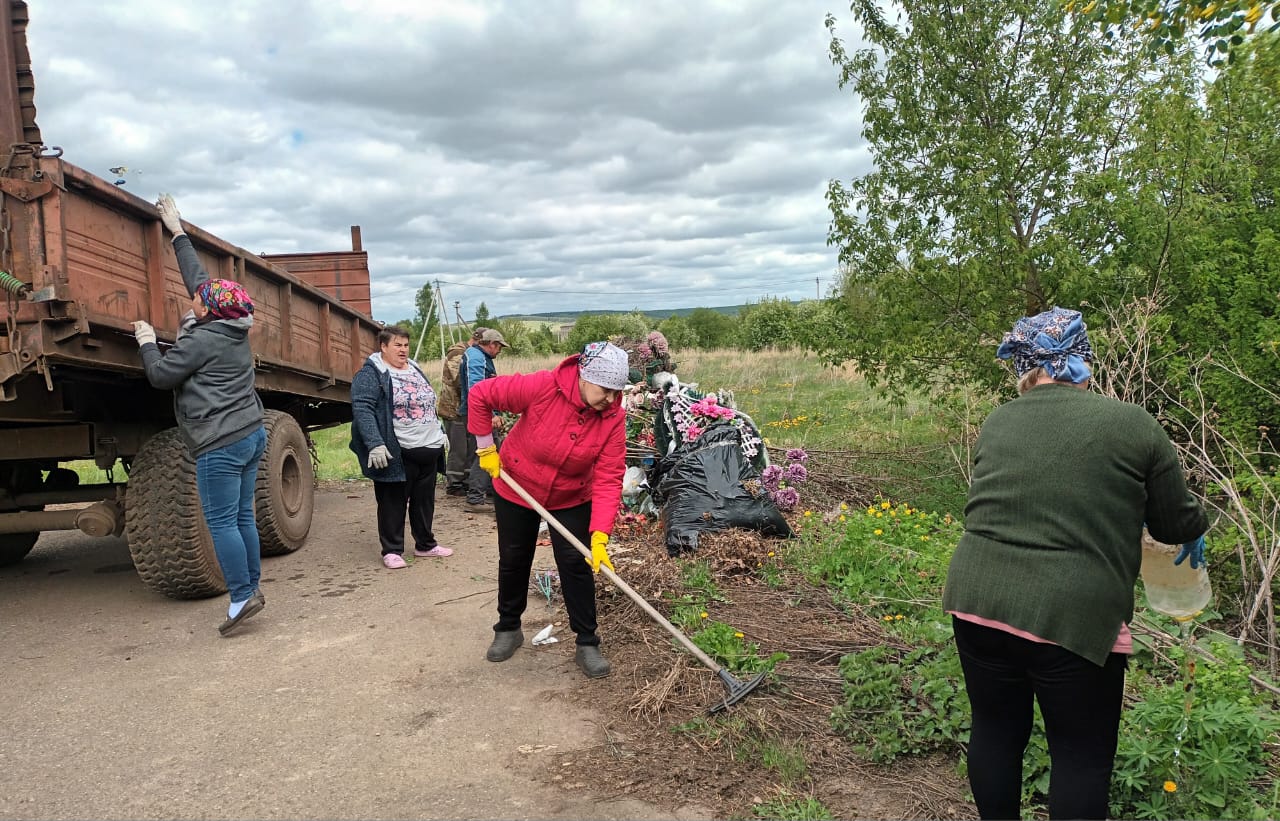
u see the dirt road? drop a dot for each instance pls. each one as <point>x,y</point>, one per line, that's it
<point>359,692</point>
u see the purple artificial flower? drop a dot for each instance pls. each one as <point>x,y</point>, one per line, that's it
<point>797,454</point>
<point>796,473</point>
<point>770,477</point>
<point>658,342</point>
<point>786,498</point>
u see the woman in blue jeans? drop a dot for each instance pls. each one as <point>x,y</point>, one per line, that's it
<point>210,370</point>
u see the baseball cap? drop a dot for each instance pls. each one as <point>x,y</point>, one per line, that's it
<point>491,335</point>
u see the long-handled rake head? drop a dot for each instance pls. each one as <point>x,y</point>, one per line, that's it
<point>736,689</point>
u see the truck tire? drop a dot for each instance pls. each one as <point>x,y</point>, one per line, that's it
<point>14,547</point>
<point>170,544</point>
<point>19,478</point>
<point>285,497</point>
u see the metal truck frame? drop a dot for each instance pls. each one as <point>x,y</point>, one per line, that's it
<point>81,258</point>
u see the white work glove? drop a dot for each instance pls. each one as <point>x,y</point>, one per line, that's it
<point>169,214</point>
<point>379,457</point>
<point>144,333</point>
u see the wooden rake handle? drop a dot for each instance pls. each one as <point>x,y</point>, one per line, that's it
<point>611,576</point>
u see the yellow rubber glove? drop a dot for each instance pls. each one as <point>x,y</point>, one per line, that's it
<point>599,556</point>
<point>489,461</point>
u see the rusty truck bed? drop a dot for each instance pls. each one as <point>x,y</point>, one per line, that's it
<point>85,258</point>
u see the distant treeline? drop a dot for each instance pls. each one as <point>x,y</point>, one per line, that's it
<point>754,326</point>
<point>565,317</point>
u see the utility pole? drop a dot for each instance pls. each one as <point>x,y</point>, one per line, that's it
<point>817,287</point>
<point>442,319</point>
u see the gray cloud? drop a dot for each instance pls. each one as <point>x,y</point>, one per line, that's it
<point>535,156</point>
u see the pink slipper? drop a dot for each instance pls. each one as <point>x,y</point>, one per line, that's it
<point>393,561</point>
<point>437,552</point>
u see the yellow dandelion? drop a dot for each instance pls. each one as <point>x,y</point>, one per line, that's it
<point>703,614</point>
<point>842,517</point>
<point>898,617</point>
<point>879,515</point>
<point>893,513</point>
<point>924,538</point>
<point>737,635</point>
<point>771,554</point>
<point>885,505</point>
<point>879,532</point>
<point>887,618</point>
<point>808,513</point>
<point>843,506</point>
<point>1170,786</point>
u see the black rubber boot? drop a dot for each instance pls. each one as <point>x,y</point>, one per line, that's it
<point>592,663</point>
<point>505,644</point>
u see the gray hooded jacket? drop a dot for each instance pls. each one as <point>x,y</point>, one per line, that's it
<point>209,368</point>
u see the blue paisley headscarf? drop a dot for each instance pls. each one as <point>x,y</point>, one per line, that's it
<point>1054,340</point>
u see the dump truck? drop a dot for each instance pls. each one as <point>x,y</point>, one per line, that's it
<point>80,259</point>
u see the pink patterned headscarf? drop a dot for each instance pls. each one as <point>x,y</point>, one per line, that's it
<point>225,299</point>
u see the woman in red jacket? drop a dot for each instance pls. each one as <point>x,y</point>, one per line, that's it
<point>568,451</point>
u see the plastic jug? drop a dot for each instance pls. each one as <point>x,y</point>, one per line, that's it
<point>1175,590</point>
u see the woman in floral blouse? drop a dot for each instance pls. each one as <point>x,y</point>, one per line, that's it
<point>398,439</point>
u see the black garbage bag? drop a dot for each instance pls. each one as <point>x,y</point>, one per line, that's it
<point>708,486</point>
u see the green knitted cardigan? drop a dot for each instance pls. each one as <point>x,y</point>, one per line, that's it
<point>1063,480</point>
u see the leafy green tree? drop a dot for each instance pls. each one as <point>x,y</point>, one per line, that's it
<point>1198,223</point>
<point>595,327</point>
<point>542,340</point>
<point>770,323</point>
<point>678,332</point>
<point>714,329</point>
<point>982,122</point>
<point>482,315</point>
<point>1222,26</point>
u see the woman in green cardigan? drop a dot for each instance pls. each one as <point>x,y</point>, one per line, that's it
<point>1040,588</point>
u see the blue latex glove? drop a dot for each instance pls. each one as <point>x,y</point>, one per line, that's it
<point>1195,550</point>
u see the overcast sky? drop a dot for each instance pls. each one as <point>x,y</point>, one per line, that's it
<point>536,155</point>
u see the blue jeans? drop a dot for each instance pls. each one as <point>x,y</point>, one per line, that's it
<point>226,477</point>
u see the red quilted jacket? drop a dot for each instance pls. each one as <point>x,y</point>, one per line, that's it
<point>561,451</point>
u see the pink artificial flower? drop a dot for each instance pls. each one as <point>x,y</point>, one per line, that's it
<point>786,498</point>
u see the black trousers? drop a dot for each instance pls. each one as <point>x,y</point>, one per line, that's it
<point>517,541</point>
<point>456,473</point>
<point>1080,703</point>
<point>418,492</point>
